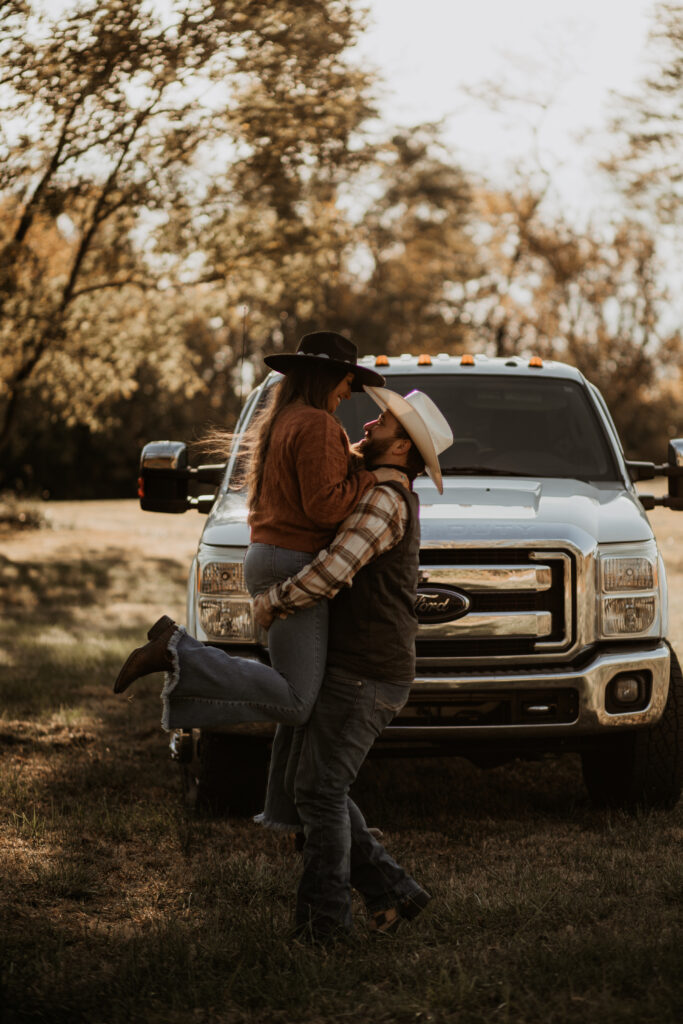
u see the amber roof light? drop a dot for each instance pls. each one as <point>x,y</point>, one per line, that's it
<point>424,360</point>
<point>467,360</point>
<point>382,361</point>
<point>536,361</point>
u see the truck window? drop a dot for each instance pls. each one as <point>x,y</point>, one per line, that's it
<point>508,426</point>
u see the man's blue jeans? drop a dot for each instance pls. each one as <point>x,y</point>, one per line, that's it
<point>339,851</point>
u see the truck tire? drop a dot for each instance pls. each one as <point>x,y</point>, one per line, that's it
<point>227,774</point>
<point>641,769</point>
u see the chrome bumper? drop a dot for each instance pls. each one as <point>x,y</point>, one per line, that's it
<point>590,684</point>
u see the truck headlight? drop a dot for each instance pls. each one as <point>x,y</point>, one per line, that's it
<point>629,589</point>
<point>628,574</point>
<point>627,615</point>
<point>224,607</point>
<point>222,578</point>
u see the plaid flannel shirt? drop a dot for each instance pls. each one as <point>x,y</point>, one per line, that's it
<point>376,525</point>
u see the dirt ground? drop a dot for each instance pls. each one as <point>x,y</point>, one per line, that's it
<point>93,546</point>
<point>98,525</point>
<point>119,906</point>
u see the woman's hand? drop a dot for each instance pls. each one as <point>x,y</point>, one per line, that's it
<point>384,473</point>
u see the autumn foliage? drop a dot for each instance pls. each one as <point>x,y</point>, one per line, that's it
<point>184,188</point>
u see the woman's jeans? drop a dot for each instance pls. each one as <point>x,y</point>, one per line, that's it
<point>209,688</point>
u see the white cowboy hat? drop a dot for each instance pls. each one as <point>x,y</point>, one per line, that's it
<point>422,421</point>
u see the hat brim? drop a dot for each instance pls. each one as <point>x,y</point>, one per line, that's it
<point>414,425</point>
<point>362,375</point>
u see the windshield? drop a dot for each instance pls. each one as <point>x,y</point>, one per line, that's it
<point>507,426</point>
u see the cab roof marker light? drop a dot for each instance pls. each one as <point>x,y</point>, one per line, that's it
<point>443,356</point>
<point>405,357</point>
<point>382,361</point>
<point>467,360</point>
<point>536,361</point>
<point>424,360</point>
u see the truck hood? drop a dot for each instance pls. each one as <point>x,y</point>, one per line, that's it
<point>227,523</point>
<point>482,509</point>
<point>526,509</point>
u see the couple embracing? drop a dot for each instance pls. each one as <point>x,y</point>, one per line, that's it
<point>332,566</point>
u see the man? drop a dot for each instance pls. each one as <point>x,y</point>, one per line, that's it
<point>372,568</point>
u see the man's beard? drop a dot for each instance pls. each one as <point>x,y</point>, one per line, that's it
<point>372,451</point>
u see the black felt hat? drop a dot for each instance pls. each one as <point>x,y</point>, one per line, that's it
<point>330,349</point>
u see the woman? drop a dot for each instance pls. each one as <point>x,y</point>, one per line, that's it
<point>302,484</point>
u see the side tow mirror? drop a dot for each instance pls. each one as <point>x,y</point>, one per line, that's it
<point>675,472</point>
<point>163,480</point>
<point>641,470</point>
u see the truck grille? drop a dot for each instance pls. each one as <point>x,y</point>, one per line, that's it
<point>493,602</point>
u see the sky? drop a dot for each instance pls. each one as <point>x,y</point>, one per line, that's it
<point>570,52</point>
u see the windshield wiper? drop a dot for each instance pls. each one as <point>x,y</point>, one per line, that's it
<point>487,471</point>
<point>481,471</point>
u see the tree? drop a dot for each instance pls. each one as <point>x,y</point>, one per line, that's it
<point>596,294</point>
<point>594,298</point>
<point>413,250</point>
<point>148,158</point>
<point>647,163</point>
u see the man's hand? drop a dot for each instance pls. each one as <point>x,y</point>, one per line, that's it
<point>264,614</point>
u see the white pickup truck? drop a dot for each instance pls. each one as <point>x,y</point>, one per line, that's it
<point>542,595</point>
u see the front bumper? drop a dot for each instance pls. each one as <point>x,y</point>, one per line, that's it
<point>588,686</point>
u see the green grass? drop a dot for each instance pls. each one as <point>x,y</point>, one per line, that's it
<point>117,905</point>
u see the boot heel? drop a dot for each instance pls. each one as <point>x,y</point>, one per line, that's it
<point>410,906</point>
<point>165,622</point>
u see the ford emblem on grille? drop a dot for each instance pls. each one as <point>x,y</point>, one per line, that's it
<point>436,604</point>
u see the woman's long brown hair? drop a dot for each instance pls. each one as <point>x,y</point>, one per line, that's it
<point>309,384</point>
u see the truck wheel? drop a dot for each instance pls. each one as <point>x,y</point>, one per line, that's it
<point>227,774</point>
<point>643,768</point>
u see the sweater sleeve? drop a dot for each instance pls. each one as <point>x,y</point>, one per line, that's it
<point>329,488</point>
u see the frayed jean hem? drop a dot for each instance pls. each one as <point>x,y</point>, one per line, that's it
<point>172,678</point>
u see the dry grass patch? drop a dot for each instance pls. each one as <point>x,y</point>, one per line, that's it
<point>118,906</point>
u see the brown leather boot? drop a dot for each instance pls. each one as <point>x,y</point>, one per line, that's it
<point>153,657</point>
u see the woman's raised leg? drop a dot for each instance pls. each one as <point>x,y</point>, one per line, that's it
<point>208,687</point>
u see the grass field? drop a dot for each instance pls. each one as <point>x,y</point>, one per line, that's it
<point>118,906</point>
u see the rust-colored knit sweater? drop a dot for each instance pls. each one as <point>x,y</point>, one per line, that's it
<point>309,485</point>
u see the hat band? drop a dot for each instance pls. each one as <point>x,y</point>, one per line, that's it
<point>317,355</point>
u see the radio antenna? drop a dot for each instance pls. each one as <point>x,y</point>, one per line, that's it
<point>245,310</point>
